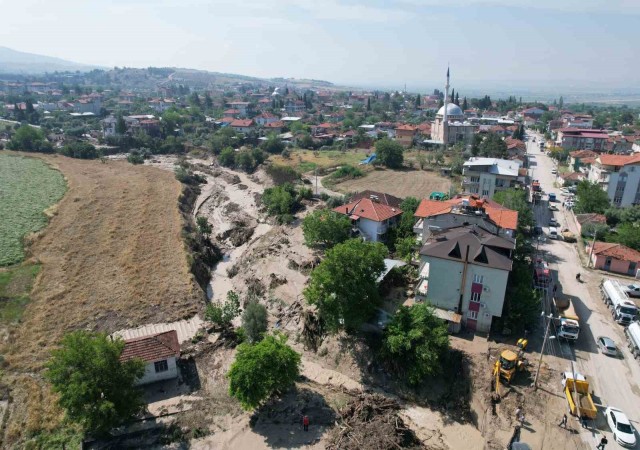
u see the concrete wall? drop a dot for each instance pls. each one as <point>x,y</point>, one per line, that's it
<point>616,266</point>
<point>150,375</point>
<point>445,277</point>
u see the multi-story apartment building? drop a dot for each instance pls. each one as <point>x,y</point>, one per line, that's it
<point>619,177</point>
<point>579,139</point>
<point>486,176</point>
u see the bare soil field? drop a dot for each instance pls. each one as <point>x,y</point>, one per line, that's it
<point>112,257</point>
<point>401,183</point>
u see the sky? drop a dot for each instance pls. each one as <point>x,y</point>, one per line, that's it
<point>374,43</point>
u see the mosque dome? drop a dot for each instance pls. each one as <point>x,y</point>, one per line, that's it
<point>452,110</point>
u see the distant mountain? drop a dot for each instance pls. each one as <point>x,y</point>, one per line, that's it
<point>13,61</point>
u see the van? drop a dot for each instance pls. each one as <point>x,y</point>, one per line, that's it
<point>553,233</point>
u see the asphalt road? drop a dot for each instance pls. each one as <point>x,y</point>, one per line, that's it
<point>614,381</point>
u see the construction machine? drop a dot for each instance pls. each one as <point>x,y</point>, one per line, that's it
<point>509,362</point>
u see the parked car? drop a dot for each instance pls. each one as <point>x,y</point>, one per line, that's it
<point>553,222</point>
<point>537,231</point>
<point>553,208</point>
<point>554,171</point>
<point>623,432</point>
<point>570,204</point>
<point>633,290</point>
<point>607,346</point>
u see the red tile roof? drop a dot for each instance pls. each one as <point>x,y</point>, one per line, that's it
<point>231,111</point>
<point>242,123</point>
<point>368,209</point>
<point>406,128</point>
<point>583,154</point>
<point>152,348</point>
<point>501,216</point>
<point>619,160</point>
<point>276,124</point>
<point>617,251</point>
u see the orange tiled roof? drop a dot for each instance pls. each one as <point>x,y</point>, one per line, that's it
<point>501,216</point>
<point>152,348</point>
<point>617,251</point>
<point>368,209</point>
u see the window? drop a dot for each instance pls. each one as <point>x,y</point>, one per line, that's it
<point>161,366</point>
<point>475,297</point>
<point>478,279</point>
<point>485,192</point>
<point>473,315</point>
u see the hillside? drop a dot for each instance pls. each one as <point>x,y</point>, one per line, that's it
<point>16,62</point>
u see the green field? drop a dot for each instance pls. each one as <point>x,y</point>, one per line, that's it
<point>308,160</point>
<point>15,286</point>
<point>28,186</point>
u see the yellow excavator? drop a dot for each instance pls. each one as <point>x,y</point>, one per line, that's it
<point>508,363</point>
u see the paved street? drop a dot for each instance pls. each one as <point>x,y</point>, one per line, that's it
<point>614,381</point>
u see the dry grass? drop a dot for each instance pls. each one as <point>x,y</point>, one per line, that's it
<point>401,183</point>
<point>307,160</point>
<point>112,257</point>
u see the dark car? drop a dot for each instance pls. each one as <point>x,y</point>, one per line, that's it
<point>537,231</point>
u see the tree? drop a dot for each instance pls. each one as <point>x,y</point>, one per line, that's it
<point>121,125</point>
<point>516,199</point>
<point>208,102</point>
<point>422,160</point>
<point>390,153</point>
<point>523,302</point>
<point>404,247</point>
<point>325,228</point>
<point>273,144</point>
<point>415,342</point>
<point>627,234</point>
<point>227,157</point>
<point>223,138</point>
<point>493,146</point>
<point>222,315</point>
<point>408,206</point>
<point>95,388</point>
<point>254,321</point>
<point>465,104</point>
<point>203,225</point>
<point>280,200</point>
<point>261,370</point>
<point>30,139</point>
<point>344,286</point>
<point>591,198</point>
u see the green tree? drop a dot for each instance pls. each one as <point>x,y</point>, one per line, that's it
<point>95,388</point>
<point>222,315</point>
<point>404,247</point>
<point>390,153</point>
<point>516,199</point>
<point>29,139</point>
<point>273,144</point>
<point>254,321</point>
<point>280,200</point>
<point>325,228</point>
<point>627,234</point>
<point>244,161</point>
<point>415,342</point>
<point>344,286</point>
<point>522,302</point>
<point>493,146</point>
<point>422,160</point>
<point>591,198</point>
<point>227,157</point>
<point>203,225</point>
<point>121,125</point>
<point>261,370</point>
<point>408,206</point>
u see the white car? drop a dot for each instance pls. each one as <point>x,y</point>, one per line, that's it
<point>569,204</point>
<point>554,171</point>
<point>607,346</point>
<point>623,431</point>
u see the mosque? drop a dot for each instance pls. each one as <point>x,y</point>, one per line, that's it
<point>449,128</point>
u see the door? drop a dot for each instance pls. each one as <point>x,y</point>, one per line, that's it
<point>607,264</point>
<point>472,320</point>
<point>632,269</point>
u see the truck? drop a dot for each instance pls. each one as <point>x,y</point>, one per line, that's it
<point>567,319</point>
<point>552,197</point>
<point>579,398</point>
<point>632,332</point>
<point>623,309</point>
<point>541,275</point>
<point>535,186</point>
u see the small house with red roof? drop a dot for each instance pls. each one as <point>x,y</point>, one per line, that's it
<point>372,216</point>
<point>243,125</point>
<point>614,257</point>
<point>405,134</point>
<point>158,351</point>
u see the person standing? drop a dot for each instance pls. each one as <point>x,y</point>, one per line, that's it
<point>305,423</point>
<point>602,443</point>
<point>563,422</point>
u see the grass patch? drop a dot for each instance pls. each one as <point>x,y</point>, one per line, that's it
<point>308,160</point>
<point>29,187</point>
<point>15,286</point>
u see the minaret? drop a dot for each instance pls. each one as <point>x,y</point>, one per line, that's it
<point>445,122</point>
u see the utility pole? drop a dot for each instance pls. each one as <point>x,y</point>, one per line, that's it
<point>316,173</point>
<point>575,391</point>
<point>593,244</point>
<point>544,343</point>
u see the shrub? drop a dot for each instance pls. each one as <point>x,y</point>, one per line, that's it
<point>254,321</point>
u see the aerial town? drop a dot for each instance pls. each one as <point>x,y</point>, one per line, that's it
<point>194,259</point>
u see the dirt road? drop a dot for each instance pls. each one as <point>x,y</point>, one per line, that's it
<point>613,380</point>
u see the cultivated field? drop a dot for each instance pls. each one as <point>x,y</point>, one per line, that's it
<point>307,160</point>
<point>401,183</point>
<point>112,257</point>
<point>28,186</point>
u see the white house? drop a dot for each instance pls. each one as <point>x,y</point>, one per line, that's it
<point>465,270</point>
<point>486,176</point>
<point>370,216</point>
<point>242,107</point>
<point>266,118</point>
<point>109,126</point>
<point>159,353</point>
<point>619,177</point>
<point>242,125</point>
